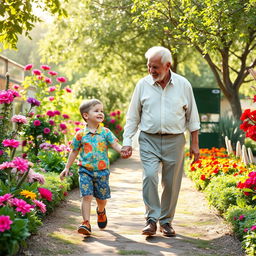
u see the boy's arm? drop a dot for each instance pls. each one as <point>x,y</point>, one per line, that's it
<point>116,146</point>
<point>71,158</point>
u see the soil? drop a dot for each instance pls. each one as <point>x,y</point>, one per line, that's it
<point>200,231</point>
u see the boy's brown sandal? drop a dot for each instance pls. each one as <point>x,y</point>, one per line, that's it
<point>85,228</point>
<point>102,219</point>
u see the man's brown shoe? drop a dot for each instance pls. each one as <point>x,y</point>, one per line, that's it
<point>150,228</point>
<point>167,230</point>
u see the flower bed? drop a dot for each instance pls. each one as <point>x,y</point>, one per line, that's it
<point>230,186</point>
<point>34,153</point>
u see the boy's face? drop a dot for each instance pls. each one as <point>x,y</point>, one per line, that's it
<point>95,115</point>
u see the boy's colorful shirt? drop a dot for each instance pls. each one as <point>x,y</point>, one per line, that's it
<point>93,147</point>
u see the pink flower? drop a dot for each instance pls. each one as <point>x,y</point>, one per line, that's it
<point>246,230</point>
<point>21,164</point>
<point>77,129</point>
<point>63,126</point>
<point>11,143</point>
<point>112,121</point>
<point>50,113</point>
<point>253,227</point>
<point>48,80</point>
<point>46,130</point>
<point>61,79</point>
<point>28,67</point>
<point>241,217</point>
<point>5,223</point>
<point>66,116</point>
<point>6,165</point>
<point>16,87</point>
<point>5,198</point>
<point>112,114</point>
<point>37,123</point>
<point>52,89</point>
<point>30,114</point>
<point>45,67</point>
<point>37,72</point>
<point>51,98</point>
<point>20,119</point>
<point>68,89</point>
<point>40,77</point>
<point>21,205</point>
<point>45,193</point>
<point>51,122</point>
<point>1,152</point>
<point>52,73</point>
<point>77,123</point>
<point>56,112</point>
<point>40,205</point>
<point>34,176</point>
<point>6,97</point>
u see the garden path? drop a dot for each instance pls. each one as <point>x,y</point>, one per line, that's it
<point>200,232</point>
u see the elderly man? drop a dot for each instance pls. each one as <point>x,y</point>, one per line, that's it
<point>162,107</point>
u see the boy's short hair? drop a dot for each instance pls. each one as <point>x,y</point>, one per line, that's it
<point>87,105</point>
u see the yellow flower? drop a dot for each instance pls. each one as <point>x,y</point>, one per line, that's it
<point>28,194</point>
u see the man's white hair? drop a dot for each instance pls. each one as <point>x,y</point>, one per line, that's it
<point>161,51</point>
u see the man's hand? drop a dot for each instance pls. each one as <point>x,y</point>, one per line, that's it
<point>194,151</point>
<point>64,173</point>
<point>126,151</point>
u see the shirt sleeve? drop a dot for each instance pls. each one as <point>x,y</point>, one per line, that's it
<point>133,117</point>
<point>111,138</point>
<point>76,143</point>
<point>192,116</point>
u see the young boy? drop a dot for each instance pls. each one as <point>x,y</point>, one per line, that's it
<point>92,143</point>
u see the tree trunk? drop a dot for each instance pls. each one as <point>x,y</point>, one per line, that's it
<point>235,104</point>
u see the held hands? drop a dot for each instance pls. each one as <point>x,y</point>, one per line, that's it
<point>64,173</point>
<point>126,151</point>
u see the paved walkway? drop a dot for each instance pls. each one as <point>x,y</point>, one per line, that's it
<point>199,231</point>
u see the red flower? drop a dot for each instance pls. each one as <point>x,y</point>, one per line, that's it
<point>246,114</point>
<point>45,67</point>
<point>202,177</point>
<point>28,67</point>
<point>254,98</point>
<point>45,193</point>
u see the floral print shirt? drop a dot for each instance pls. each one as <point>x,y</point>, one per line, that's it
<point>93,147</point>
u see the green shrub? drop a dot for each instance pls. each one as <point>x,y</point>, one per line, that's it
<point>222,192</point>
<point>243,221</point>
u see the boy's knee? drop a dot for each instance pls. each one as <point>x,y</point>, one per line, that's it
<point>88,198</point>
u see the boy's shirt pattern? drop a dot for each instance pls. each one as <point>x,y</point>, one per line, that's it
<point>93,147</point>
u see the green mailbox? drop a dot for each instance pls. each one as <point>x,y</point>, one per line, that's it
<point>208,104</point>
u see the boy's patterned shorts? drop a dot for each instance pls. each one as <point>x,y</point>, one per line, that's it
<point>94,183</point>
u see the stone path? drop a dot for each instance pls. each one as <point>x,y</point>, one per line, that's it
<point>200,232</point>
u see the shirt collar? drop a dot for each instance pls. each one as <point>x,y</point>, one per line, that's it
<point>98,131</point>
<point>150,80</point>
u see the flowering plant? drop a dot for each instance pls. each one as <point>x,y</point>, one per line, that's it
<point>113,121</point>
<point>249,117</point>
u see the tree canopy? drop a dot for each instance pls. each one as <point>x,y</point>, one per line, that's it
<point>222,31</point>
<point>17,17</point>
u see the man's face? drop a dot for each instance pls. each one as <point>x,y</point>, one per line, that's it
<point>157,69</point>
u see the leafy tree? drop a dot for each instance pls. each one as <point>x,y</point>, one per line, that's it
<point>17,17</point>
<point>222,31</point>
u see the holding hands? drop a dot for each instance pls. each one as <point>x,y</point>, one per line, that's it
<point>126,151</point>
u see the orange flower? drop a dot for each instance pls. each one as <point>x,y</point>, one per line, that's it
<point>87,148</point>
<point>79,136</point>
<point>89,167</point>
<point>102,165</point>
